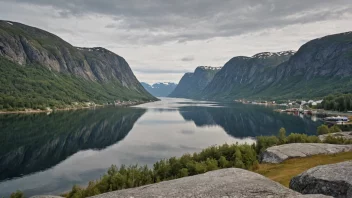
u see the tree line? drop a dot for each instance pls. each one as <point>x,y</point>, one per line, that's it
<point>36,87</point>
<point>337,102</point>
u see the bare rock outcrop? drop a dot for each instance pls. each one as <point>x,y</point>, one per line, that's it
<point>46,196</point>
<point>278,154</point>
<point>333,180</point>
<point>228,183</point>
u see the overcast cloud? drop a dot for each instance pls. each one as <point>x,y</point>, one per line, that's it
<point>172,37</point>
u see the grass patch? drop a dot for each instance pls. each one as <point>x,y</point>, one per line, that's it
<point>286,170</point>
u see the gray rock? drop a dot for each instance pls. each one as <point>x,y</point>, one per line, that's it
<point>344,135</point>
<point>45,196</point>
<point>333,179</point>
<point>278,154</point>
<point>231,182</point>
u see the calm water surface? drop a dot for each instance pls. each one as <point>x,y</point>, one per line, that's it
<point>48,154</point>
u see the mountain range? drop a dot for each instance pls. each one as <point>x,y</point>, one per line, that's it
<point>320,67</point>
<point>160,89</point>
<point>192,84</point>
<point>40,70</point>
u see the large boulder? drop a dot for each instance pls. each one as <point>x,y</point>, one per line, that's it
<point>333,179</point>
<point>344,135</point>
<point>278,154</point>
<point>231,182</point>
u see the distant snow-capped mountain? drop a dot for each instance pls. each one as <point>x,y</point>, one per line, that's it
<point>160,89</point>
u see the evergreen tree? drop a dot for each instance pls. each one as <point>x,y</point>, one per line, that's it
<point>183,173</point>
<point>282,135</point>
<point>238,159</point>
<point>17,194</point>
<point>223,163</point>
<point>212,164</point>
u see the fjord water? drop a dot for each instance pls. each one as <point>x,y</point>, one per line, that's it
<point>49,153</point>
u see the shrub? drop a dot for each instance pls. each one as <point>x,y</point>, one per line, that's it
<point>334,129</point>
<point>337,140</point>
<point>282,135</point>
<point>17,194</point>
<point>264,142</point>
<point>301,138</point>
<point>323,129</point>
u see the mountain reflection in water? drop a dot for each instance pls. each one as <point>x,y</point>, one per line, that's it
<point>48,154</point>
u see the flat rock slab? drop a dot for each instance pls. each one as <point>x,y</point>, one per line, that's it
<point>344,135</point>
<point>226,183</point>
<point>333,179</point>
<point>46,196</point>
<point>278,154</point>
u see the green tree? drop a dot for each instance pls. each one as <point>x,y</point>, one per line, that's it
<point>212,164</point>
<point>282,135</point>
<point>17,194</point>
<point>223,163</point>
<point>334,129</point>
<point>238,159</point>
<point>264,142</point>
<point>200,167</point>
<point>76,192</point>
<point>183,172</point>
<point>323,129</point>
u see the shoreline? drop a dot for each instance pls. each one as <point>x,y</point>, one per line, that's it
<point>35,111</point>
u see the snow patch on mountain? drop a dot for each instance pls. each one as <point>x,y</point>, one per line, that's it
<point>271,54</point>
<point>210,67</point>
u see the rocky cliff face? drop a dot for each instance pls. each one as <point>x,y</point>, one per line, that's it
<point>191,84</point>
<point>161,89</point>
<point>245,75</point>
<point>320,67</point>
<point>27,45</point>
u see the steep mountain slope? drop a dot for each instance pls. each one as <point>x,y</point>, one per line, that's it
<point>191,84</point>
<point>26,50</point>
<point>245,75</point>
<point>320,67</point>
<point>159,89</point>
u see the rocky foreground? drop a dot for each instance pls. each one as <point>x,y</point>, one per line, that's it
<point>278,154</point>
<point>230,182</point>
<point>333,179</point>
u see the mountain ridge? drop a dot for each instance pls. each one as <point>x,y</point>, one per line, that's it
<point>89,74</point>
<point>159,89</point>
<point>320,67</point>
<point>192,84</point>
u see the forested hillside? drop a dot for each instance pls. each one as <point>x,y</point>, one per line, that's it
<point>40,70</point>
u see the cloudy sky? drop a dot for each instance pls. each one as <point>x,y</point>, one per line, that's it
<point>162,39</point>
